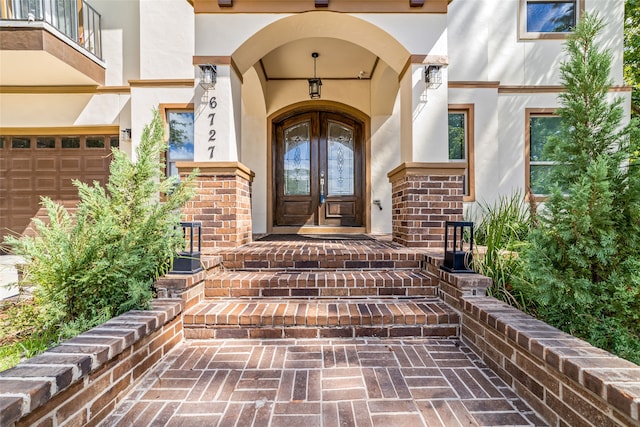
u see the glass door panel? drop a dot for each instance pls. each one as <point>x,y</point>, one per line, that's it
<point>297,160</point>
<point>340,160</point>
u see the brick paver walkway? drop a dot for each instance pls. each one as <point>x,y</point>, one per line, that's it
<point>329,382</point>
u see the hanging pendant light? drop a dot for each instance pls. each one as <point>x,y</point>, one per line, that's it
<point>315,84</point>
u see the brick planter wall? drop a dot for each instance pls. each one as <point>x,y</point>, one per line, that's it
<point>80,381</point>
<point>424,196</point>
<point>222,203</point>
<point>565,379</point>
<point>188,287</point>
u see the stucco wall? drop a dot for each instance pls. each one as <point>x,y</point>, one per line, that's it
<point>484,43</point>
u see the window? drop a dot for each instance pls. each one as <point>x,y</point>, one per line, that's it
<point>541,126</point>
<point>94,142</point>
<point>70,142</point>
<point>461,143</point>
<point>45,142</point>
<point>20,142</point>
<point>553,19</point>
<point>180,125</point>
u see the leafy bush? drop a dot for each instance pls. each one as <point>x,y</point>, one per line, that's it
<point>102,260</point>
<point>584,259</point>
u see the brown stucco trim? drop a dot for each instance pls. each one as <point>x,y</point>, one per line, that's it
<point>39,39</point>
<point>551,89</point>
<point>162,83</point>
<point>343,6</point>
<point>473,85</point>
<point>61,130</point>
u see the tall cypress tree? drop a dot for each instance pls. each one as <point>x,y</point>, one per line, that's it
<point>584,258</point>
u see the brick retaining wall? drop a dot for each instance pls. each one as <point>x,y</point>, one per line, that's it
<point>80,381</point>
<point>565,379</point>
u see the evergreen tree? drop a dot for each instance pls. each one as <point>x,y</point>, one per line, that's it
<point>584,258</point>
<point>102,260</point>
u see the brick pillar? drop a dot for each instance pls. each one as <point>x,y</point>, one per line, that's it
<point>222,203</point>
<point>424,196</point>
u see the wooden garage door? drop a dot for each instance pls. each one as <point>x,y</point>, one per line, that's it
<point>35,166</point>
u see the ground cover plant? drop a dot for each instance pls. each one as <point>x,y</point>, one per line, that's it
<point>101,260</point>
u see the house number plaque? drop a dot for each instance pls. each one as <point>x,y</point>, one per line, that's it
<point>213,104</point>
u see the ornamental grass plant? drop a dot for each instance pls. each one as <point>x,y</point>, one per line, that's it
<point>502,228</point>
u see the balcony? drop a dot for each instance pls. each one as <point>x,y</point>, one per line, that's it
<point>50,43</point>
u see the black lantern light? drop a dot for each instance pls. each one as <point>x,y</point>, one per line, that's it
<point>315,84</point>
<point>188,260</point>
<point>208,76</point>
<point>432,76</point>
<point>458,247</point>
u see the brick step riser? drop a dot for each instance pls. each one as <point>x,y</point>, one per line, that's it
<point>323,264</point>
<point>440,331</point>
<point>252,313</point>
<point>342,280</point>
<point>333,292</point>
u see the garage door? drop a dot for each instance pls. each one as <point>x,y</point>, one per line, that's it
<point>35,166</point>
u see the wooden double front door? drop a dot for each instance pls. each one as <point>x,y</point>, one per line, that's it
<point>319,170</point>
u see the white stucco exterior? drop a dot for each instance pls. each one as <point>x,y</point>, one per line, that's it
<point>152,49</point>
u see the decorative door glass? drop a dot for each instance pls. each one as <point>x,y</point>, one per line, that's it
<point>340,160</point>
<point>297,160</point>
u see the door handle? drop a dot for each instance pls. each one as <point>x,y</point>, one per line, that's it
<point>322,197</point>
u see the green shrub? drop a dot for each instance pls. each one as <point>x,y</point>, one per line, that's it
<point>103,260</point>
<point>584,259</point>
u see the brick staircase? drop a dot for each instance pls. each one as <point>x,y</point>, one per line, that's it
<point>310,288</point>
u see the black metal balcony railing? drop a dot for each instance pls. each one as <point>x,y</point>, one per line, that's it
<point>76,19</point>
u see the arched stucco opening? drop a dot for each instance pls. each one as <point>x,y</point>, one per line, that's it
<point>275,63</point>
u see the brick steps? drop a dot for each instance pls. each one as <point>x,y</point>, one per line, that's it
<point>322,256</point>
<point>313,318</point>
<point>319,284</point>
<point>308,287</point>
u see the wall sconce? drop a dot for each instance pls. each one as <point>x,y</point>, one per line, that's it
<point>315,84</point>
<point>208,76</point>
<point>433,76</point>
<point>126,133</point>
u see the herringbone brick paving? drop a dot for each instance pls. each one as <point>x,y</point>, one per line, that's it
<point>324,382</point>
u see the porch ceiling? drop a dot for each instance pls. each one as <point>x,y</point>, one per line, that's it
<point>338,59</point>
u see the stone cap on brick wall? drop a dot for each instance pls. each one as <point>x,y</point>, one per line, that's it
<point>35,381</point>
<point>427,169</point>
<point>613,380</point>
<point>470,284</point>
<point>216,168</point>
<point>181,282</point>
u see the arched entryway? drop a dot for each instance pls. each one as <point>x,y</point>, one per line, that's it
<point>319,169</point>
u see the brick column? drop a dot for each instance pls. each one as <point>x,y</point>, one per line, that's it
<point>222,203</point>
<point>424,196</point>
